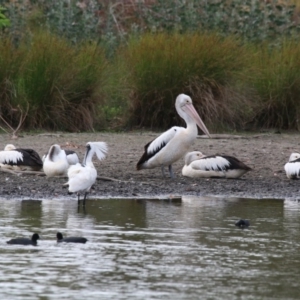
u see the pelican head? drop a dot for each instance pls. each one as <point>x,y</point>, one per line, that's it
<point>191,156</point>
<point>294,156</point>
<point>186,110</point>
<point>9,147</point>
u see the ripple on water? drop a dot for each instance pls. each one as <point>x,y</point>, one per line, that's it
<point>152,249</point>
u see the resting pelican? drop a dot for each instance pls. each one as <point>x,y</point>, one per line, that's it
<point>20,158</point>
<point>175,142</point>
<point>72,157</point>
<point>57,161</point>
<point>82,177</point>
<point>198,165</point>
<point>71,239</point>
<point>292,168</point>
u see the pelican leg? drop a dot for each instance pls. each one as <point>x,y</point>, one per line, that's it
<point>84,198</point>
<point>171,171</point>
<point>78,199</point>
<point>163,170</point>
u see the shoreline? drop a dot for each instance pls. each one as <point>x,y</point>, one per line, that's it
<point>266,154</point>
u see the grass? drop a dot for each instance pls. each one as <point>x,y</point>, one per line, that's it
<point>76,87</point>
<point>59,83</point>
<point>165,65</point>
<point>276,78</point>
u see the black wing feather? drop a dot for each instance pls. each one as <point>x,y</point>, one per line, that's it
<point>30,158</point>
<point>146,156</point>
<point>234,163</point>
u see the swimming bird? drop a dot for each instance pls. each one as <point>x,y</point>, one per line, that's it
<point>174,143</point>
<point>25,241</point>
<point>83,176</point>
<point>198,165</point>
<point>57,161</point>
<point>292,167</point>
<point>20,158</point>
<point>242,223</point>
<point>71,239</point>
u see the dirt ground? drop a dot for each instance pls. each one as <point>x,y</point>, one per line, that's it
<point>265,153</point>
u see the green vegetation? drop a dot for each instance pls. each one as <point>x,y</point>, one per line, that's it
<point>89,65</point>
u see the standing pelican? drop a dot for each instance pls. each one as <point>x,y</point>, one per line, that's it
<point>292,167</point>
<point>20,158</point>
<point>175,142</point>
<point>198,165</point>
<point>83,176</point>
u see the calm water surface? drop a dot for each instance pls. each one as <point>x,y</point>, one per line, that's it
<point>154,249</point>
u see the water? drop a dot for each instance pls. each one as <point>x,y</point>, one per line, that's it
<point>157,249</point>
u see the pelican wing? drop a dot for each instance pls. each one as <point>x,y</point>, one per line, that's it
<point>159,143</point>
<point>100,149</point>
<point>11,157</point>
<point>292,169</point>
<point>30,155</point>
<point>218,163</point>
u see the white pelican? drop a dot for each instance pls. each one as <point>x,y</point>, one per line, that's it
<point>72,156</point>
<point>57,161</point>
<point>198,165</point>
<point>292,168</point>
<point>20,158</point>
<point>71,239</point>
<point>175,142</point>
<point>83,176</point>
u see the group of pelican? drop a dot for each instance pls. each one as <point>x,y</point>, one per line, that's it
<point>163,151</point>
<point>58,162</point>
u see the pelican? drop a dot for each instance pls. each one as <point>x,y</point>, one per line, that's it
<point>83,176</point>
<point>20,158</point>
<point>25,241</point>
<point>71,239</point>
<point>72,157</point>
<point>57,161</point>
<point>198,165</point>
<point>175,142</point>
<point>292,167</point>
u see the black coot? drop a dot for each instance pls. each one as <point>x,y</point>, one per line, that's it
<point>242,223</point>
<point>24,241</point>
<point>72,239</point>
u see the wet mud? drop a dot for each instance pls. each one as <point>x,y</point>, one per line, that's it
<point>265,153</point>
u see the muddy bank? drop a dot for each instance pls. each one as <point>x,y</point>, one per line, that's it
<point>265,153</point>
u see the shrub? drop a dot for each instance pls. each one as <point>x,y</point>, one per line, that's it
<point>57,82</point>
<point>163,66</point>
<point>276,78</point>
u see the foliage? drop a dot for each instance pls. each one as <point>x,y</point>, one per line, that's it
<point>163,66</point>
<point>59,83</point>
<point>115,62</point>
<point>110,22</point>
<point>276,78</point>
<point>4,21</point>
<point>251,20</point>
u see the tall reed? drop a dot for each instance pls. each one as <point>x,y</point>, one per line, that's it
<point>201,65</point>
<point>57,82</point>
<point>276,78</point>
